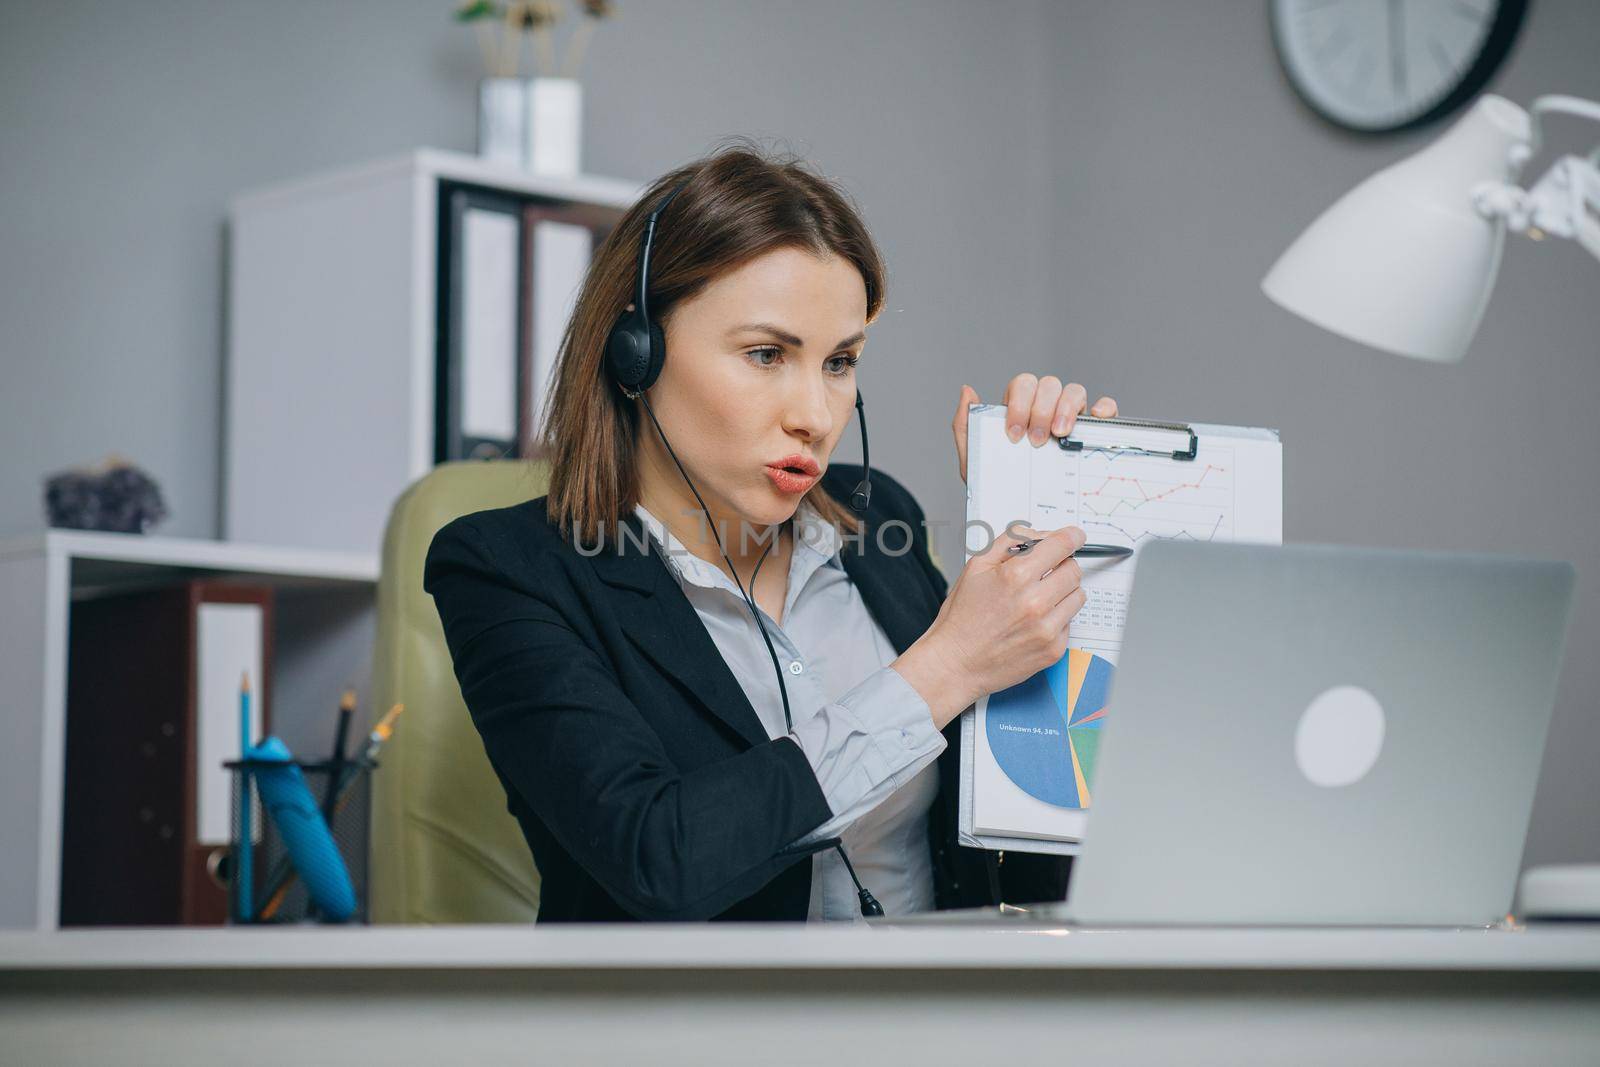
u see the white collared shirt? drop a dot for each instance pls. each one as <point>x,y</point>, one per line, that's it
<point>868,735</point>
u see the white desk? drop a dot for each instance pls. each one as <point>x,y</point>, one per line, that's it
<point>965,992</point>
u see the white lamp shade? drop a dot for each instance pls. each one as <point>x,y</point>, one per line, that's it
<point>1404,262</point>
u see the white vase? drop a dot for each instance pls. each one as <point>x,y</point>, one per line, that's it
<point>553,118</point>
<point>502,120</point>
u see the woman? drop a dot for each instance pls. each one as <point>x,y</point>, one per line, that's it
<point>616,640</point>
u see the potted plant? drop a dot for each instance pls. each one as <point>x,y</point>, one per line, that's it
<point>537,122</point>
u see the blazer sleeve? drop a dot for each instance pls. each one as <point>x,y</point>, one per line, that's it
<point>665,843</point>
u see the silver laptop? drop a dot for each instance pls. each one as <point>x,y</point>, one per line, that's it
<point>1320,735</point>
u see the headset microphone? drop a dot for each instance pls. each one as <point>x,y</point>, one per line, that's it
<point>635,351</point>
<point>862,494</point>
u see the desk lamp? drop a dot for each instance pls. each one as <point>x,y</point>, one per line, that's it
<point>1405,262</point>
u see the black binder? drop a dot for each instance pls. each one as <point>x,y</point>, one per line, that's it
<point>457,202</point>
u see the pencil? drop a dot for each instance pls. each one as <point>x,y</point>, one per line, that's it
<point>243,873</point>
<point>347,705</point>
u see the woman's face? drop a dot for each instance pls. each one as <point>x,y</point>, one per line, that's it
<point>759,370</point>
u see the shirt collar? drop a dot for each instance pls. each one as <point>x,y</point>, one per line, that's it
<point>817,545</point>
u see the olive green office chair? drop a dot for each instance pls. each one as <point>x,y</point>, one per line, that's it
<point>444,849</point>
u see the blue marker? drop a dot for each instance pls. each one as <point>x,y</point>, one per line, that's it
<point>287,800</point>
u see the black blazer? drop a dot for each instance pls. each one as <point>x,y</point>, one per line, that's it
<point>642,778</point>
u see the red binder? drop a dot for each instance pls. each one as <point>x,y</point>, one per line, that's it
<point>132,848</point>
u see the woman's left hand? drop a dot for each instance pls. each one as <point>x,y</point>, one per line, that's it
<point>1039,407</point>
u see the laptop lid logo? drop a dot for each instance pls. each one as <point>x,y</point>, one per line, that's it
<point>1339,736</point>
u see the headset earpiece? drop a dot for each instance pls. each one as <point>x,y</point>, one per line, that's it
<point>629,352</point>
<point>657,356</point>
<point>637,347</point>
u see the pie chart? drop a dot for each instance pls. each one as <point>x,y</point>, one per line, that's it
<point>1045,732</point>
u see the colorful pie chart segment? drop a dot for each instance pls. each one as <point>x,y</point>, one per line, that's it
<point>1045,732</point>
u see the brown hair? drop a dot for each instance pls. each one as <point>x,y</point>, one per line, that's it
<point>736,204</point>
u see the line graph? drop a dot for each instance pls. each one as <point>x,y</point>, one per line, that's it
<point>1116,489</point>
<point>1133,537</point>
<point>1131,499</point>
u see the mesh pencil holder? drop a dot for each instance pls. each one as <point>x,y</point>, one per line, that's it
<point>279,893</point>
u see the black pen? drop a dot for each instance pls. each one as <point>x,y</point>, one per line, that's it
<point>347,706</point>
<point>1087,551</point>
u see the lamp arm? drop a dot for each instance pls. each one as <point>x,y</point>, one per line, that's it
<point>1565,201</point>
<point>1559,105</point>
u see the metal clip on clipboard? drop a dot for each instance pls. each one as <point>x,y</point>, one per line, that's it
<point>1068,444</point>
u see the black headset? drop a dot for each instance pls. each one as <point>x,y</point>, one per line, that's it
<point>635,352</point>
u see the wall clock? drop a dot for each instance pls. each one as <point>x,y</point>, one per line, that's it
<point>1377,66</point>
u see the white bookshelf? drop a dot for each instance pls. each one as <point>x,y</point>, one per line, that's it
<point>323,627</point>
<point>332,334</point>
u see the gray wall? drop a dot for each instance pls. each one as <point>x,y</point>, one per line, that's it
<point>1093,189</point>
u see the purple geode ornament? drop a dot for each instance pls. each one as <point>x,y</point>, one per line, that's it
<point>119,497</point>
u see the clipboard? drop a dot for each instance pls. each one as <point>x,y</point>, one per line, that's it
<point>1126,481</point>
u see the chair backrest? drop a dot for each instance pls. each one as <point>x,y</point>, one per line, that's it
<point>444,847</point>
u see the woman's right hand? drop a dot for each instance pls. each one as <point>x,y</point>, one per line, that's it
<point>1005,619</point>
